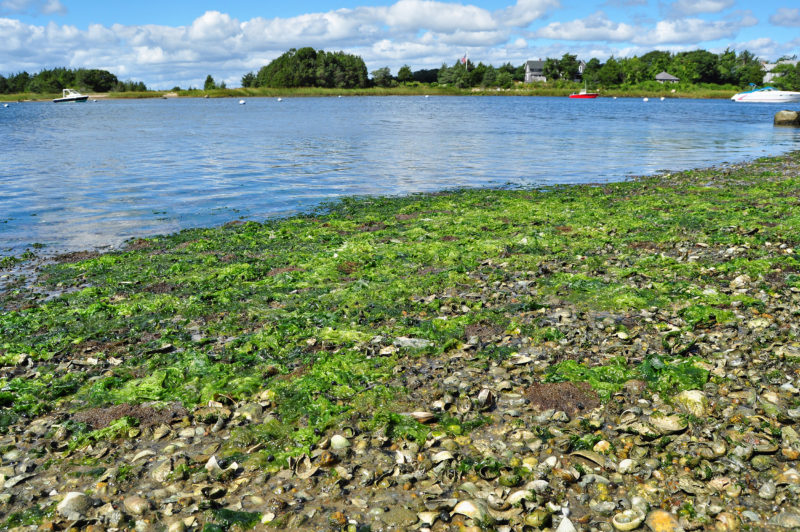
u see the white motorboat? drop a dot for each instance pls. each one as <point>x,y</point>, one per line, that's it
<point>767,95</point>
<point>71,95</point>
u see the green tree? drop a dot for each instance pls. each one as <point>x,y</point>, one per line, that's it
<point>749,69</point>
<point>656,62</point>
<point>404,75</point>
<point>249,80</point>
<point>568,67</point>
<point>610,74</point>
<point>209,84</point>
<point>788,77</point>
<point>550,70</point>
<point>382,77</point>
<point>504,79</point>
<point>430,75</point>
<point>590,72</point>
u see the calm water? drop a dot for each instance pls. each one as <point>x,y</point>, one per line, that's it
<point>80,176</point>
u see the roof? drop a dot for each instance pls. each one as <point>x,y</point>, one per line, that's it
<point>666,76</point>
<point>535,65</point>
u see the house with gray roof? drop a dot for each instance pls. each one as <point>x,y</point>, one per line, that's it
<point>665,77</point>
<point>534,71</point>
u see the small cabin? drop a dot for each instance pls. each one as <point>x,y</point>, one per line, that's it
<point>665,77</point>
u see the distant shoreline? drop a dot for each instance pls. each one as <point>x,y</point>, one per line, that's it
<point>379,91</point>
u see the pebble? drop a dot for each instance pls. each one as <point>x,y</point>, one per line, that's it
<point>74,505</point>
<point>662,521</point>
<point>136,505</point>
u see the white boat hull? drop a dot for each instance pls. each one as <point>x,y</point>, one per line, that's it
<point>767,95</point>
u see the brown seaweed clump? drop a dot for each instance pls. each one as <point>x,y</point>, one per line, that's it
<point>571,397</point>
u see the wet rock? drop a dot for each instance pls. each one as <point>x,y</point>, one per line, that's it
<point>693,402</point>
<point>663,521</point>
<point>136,505</point>
<point>787,118</point>
<point>75,505</point>
<point>399,517</point>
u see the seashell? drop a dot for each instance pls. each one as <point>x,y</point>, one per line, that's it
<point>594,457</point>
<point>475,509</point>
<point>641,429</point>
<point>539,518</point>
<point>519,496</point>
<point>469,487</point>
<point>428,518</point>
<point>302,467</point>
<point>566,526</point>
<point>422,417</point>
<point>497,503</point>
<point>440,504</point>
<point>693,402</point>
<point>463,405</point>
<point>486,399</point>
<point>339,442</point>
<point>343,472</point>
<point>668,424</point>
<point>628,519</point>
<point>727,522</point>
<point>442,456</point>
<point>505,515</point>
<point>627,466</point>
<point>488,472</point>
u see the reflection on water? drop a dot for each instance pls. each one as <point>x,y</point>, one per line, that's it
<point>91,175</point>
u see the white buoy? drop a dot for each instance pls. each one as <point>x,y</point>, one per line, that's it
<point>662,98</point>
<point>645,99</point>
<point>615,97</point>
<point>5,105</point>
<point>280,99</point>
<point>427,96</point>
<point>242,102</point>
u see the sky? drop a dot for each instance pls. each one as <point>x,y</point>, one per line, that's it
<point>167,43</point>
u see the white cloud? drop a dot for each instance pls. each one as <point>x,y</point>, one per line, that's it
<point>786,17</point>
<point>692,30</point>
<point>35,7</point>
<point>438,16</point>
<point>685,8</point>
<point>596,27</point>
<point>524,12</point>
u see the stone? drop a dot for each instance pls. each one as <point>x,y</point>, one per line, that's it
<point>136,505</point>
<point>662,521</point>
<point>787,118</point>
<point>693,402</point>
<point>74,505</point>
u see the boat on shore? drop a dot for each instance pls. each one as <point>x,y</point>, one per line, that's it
<point>767,95</point>
<point>584,94</point>
<point>71,95</point>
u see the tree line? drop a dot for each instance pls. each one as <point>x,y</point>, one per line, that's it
<point>56,79</point>
<point>307,67</point>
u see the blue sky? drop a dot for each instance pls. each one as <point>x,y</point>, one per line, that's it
<point>178,42</point>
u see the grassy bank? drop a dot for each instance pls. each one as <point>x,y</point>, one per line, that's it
<point>314,312</point>
<point>403,90</point>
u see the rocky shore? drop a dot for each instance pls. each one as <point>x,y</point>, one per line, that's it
<point>612,357</point>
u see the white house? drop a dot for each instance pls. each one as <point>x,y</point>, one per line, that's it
<point>768,67</point>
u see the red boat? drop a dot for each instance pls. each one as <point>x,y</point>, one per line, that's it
<point>584,94</point>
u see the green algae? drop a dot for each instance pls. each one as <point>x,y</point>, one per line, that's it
<point>299,308</point>
<point>662,374</point>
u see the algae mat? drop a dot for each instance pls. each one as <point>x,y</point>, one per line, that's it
<point>263,341</point>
